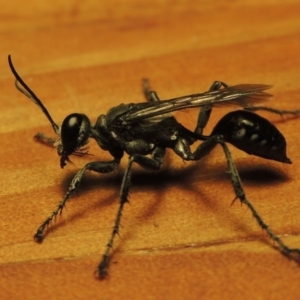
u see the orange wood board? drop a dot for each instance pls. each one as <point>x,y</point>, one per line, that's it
<point>180,236</point>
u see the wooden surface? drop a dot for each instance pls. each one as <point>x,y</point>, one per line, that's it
<point>180,237</point>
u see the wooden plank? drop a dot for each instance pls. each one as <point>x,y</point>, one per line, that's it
<point>180,238</point>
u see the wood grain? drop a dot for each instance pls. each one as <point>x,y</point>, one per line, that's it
<point>180,237</point>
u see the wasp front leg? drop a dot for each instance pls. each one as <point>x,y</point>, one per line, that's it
<point>100,167</point>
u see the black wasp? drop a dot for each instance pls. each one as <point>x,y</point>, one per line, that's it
<point>145,130</point>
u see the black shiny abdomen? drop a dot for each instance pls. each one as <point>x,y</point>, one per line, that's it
<point>252,134</point>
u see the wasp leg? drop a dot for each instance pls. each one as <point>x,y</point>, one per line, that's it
<point>280,112</point>
<point>43,139</point>
<point>183,150</point>
<point>204,113</point>
<point>154,162</point>
<point>239,192</point>
<point>150,95</point>
<point>101,167</point>
<point>203,117</point>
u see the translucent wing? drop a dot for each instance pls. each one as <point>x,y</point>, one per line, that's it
<point>245,95</point>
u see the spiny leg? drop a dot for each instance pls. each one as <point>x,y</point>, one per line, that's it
<point>101,167</point>
<point>280,112</point>
<point>150,95</point>
<point>153,163</point>
<point>204,113</point>
<point>183,150</point>
<point>239,192</point>
<point>43,139</point>
<point>103,266</point>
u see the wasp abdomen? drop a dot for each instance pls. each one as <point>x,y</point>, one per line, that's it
<point>252,134</point>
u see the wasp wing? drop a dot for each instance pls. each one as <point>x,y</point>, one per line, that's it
<point>245,95</point>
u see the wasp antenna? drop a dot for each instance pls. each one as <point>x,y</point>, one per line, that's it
<point>24,89</point>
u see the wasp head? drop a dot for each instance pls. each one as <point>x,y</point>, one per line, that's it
<point>74,134</point>
<point>74,131</point>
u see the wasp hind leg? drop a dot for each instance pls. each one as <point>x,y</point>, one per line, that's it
<point>183,150</point>
<point>280,112</point>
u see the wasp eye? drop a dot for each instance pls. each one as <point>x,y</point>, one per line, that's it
<point>74,133</point>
